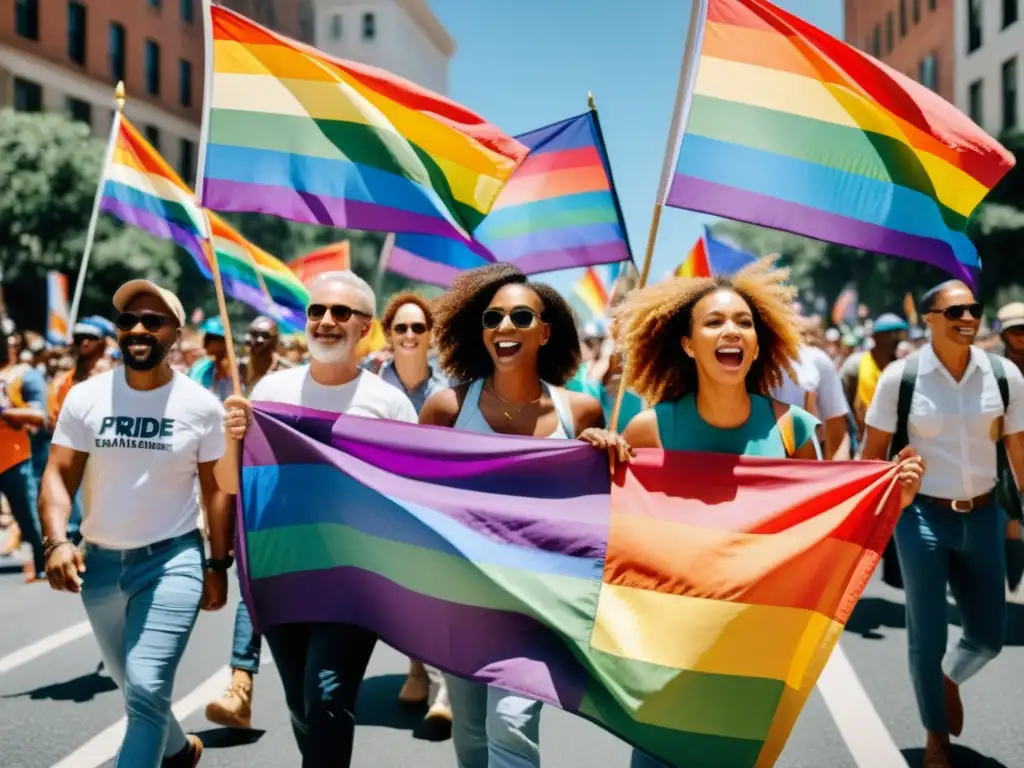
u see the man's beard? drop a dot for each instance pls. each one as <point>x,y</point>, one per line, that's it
<point>330,353</point>
<point>157,353</point>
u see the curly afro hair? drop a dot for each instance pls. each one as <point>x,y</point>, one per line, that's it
<point>651,323</point>
<point>459,332</point>
<point>398,301</point>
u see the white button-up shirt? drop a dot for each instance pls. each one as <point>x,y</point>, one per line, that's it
<point>952,424</point>
<point>815,373</point>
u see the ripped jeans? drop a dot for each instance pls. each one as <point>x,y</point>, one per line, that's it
<point>321,668</point>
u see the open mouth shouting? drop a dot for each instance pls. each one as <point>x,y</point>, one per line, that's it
<point>730,357</point>
<point>506,349</point>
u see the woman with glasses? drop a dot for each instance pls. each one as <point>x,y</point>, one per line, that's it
<point>704,353</point>
<point>513,345</point>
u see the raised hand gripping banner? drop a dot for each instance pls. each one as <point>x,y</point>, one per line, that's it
<point>687,607</point>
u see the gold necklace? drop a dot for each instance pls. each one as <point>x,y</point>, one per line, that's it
<point>490,388</point>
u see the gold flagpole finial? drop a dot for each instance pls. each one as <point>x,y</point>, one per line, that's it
<point>119,96</point>
<point>590,101</point>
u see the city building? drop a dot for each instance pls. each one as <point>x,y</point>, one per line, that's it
<point>401,36</point>
<point>57,55</point>
<point>912,36</point>
<point>989,50</point>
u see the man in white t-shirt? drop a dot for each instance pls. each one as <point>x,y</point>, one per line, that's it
<point>136,438</point>
<point>322,665</point>
<point>819,389</point>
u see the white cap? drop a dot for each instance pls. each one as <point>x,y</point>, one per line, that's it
<point>134,288</point>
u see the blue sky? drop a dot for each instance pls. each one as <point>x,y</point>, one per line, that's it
<point>527,67</point>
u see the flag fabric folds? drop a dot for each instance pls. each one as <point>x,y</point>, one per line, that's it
<point>141,189</point>
<point>301,135</point>
<point>795,130</point>
<point>330,258</point>
<point>688,607</point>
<point>559,210</point>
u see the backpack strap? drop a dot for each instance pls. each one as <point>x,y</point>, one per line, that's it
<point>1000,373</point>
<point>784,422</point>
<point>908,382</point>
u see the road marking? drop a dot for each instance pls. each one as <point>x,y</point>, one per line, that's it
<point>44,646</point>
<point>855,716</point>
<point>102,747</point>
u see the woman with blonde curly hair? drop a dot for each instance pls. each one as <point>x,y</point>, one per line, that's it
<point>705,353</point>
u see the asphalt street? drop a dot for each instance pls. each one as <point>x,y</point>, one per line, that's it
<point>55,710</point>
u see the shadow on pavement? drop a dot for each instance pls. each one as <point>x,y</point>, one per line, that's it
<point>963,757</point>
<point>874,613</point>
<point>378,705</point>
<point>79,690</point>
<point>225,738</point>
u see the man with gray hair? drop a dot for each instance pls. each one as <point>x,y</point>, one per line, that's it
<point>322,665</point>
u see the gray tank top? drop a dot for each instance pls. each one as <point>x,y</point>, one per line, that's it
<point>471,420</point>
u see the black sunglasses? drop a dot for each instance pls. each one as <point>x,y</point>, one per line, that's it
<point>151,321</point>
<point>340,312</point>
<point>521,317</point>
<point>957,311</point>
<point>258,338</point>
<point>79,338</point>
<point>403,328</point>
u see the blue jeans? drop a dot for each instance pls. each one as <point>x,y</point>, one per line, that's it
<point>939,546</point>
<point>246,645</point>
<point>321,668</point>
<point>492,728</point>
<point>18,485</point>
<point>142,604</point>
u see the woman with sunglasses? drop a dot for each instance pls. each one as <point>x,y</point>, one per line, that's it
<point>513,345</point>
<point>705,352</point>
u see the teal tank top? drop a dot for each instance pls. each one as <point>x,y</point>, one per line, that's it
<point>681,428</point>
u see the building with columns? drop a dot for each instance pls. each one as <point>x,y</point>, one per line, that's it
<point>989,44</point>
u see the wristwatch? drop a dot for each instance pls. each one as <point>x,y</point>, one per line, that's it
<point>219,563</point>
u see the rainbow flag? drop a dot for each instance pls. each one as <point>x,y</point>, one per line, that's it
<point>57,310</point>
<point>300,135</point>
<point>795,130</point>
<point>711,257</point>
<point>141,189</point>
<point>560,210</point>
<point>696,262</point>
<point>688,607</point>
<point>592,292</point>
<point>330,258</point>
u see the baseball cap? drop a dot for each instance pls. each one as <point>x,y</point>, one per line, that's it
<point>888,323</point>
<point>212,327</point>
<point>1011,316</point>
<point>86,328</point>
<point>133,288</point>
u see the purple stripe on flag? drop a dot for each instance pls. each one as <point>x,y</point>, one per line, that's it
<point>568,258</point>
<point>702,196</point>
<point>408,264</point>
<point>222,195</point>
<point>499,648</point>
<point>155,225</point>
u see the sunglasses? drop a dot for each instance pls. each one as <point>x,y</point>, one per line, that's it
<point>403,328</point>
<point>79,338</point>
<point>521,317</point>
<point>957,311</point>
<point>151,321</point>
<point>340,312</point>
<point>257,338</point>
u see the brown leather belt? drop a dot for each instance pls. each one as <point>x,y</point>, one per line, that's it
<point>963,506</point>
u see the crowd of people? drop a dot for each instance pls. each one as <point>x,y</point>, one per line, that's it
<point>137,426</point>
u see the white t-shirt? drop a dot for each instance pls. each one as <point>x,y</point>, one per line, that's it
<point>144,448</point>
<point>815,373</point>
<point>367,395</point>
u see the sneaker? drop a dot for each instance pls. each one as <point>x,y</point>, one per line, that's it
<point>234,708</point>
<point>189,757</point>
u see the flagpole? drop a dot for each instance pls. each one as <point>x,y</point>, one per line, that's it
<point>382,264</point>
<point>680,116</point>
<point>115,128</point>
<point>608,169</point>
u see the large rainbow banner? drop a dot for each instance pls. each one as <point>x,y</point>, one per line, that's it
<point>795,130</point>
<point>688,607</point>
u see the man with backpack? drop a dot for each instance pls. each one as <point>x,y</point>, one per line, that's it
<point>963,410</point>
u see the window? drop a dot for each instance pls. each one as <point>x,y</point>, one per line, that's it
<point>973,25</point>
<point>1010,11</point>
<point>917,11</point>
<point>903,18</point>
<point>154,3</point>
<point>932,4</point>
<point>876,41</point>
<point>307,21</point>
<point>185,83</point>
<point>889,32</point>
<point>928,71</point>
<point>115,51</point>
<point>265,12</point>
<point>152,68</point>
<point>187,160</point>
<point>188,11</point>
<point>976,101</point>
<point>1010,94</point>
<point>336,27</point>
<point>76,32</point>
<point>26,18</point>
<point>28,96</point>
<point>369,26</point>
<point>79,110</point>
<point>153,136</point>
